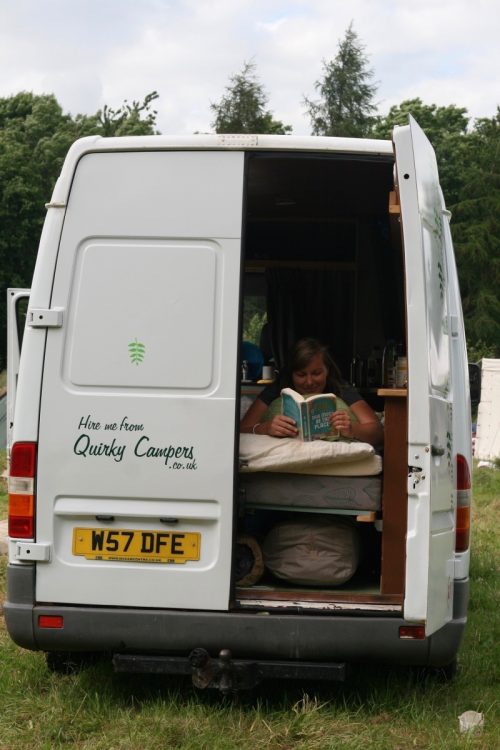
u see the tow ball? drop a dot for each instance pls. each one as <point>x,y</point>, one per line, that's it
<point>223,673</point>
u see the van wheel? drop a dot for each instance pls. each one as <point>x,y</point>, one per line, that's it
<point>448,672</point>
<point>445,673</point>
<point>68,662</point>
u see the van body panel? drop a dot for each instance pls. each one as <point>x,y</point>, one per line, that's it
<point>139,374</point>
<point>432,496</point>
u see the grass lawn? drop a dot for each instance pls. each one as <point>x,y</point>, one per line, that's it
<point>384,709</point>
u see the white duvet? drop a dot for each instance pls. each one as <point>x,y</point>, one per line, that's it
<point>264,453</point>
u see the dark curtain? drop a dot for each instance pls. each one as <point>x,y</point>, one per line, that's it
<point>390,282</point>
<point>317,303</point>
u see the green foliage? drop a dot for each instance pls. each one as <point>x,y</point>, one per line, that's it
<point>138,118</point>
<point>35,136</point>
<point>436,121</point>
<point>445,127</point>
<point>468,163</point>
<point>476,233</point>
<point>242,109</point>
<point>479,350</point>
<point>346,107</point>
<point>253,328</point>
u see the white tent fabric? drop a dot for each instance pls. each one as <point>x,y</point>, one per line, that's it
<point>488,417</point>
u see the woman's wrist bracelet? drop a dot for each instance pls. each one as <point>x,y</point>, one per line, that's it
<point>255,427</point>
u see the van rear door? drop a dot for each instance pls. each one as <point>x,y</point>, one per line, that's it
<point>17,304</point>
<point>431,494</point>
<point>137,424</point>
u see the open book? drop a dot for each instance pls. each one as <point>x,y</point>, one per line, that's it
<point>311,415</point>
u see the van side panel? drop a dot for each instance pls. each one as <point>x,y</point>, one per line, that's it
<point>136,441</point>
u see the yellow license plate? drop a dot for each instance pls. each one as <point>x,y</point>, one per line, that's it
<point>135,545</point>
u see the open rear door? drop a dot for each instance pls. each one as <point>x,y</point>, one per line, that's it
<point>17,305</point>
<point>431,495</point>
<point>137,426</point>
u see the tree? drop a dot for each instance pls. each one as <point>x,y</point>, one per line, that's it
<point>476,233</point>
<point>242,109</point>
<point>346,107</point>
<point>468,168</point>
<point>35,136</point>
<point>446,128</point>
<point>138,118</point>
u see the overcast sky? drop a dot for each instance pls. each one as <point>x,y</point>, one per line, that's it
<point>91,52</point>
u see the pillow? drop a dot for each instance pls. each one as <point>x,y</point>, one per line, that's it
<point>265,453</point>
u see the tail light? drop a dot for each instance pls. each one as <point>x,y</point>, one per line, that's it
<point>463,504</point>
<point>51,622</point>
<point>412,632</point>
<point>22,491</point>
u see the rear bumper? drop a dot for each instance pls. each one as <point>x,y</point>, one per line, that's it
<point>248,635</point>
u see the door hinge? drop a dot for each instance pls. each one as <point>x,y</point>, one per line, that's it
<point>56,204</point>
<point>45,318</point>
<point>437,450</point>
<point>36,552</point>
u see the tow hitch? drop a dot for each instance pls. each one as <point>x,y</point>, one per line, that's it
<point>225,673</point>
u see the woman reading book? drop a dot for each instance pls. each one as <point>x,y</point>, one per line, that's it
<point>311,371</point>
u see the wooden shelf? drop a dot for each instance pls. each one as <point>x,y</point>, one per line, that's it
<point>394,207</point>
<point>392,392</point>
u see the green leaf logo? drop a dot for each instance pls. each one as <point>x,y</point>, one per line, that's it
<point>136,352</point>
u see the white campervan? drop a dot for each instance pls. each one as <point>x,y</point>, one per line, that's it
<point>133,505</point>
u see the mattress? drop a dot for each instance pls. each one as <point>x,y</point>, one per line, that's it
<point>311,492</point>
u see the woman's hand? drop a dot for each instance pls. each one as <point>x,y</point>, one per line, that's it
<point>341,421</point>
<point>367,428</point>
<point>278,426</point>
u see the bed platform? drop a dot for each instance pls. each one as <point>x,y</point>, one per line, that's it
<point>316,477</point>
<point>311,493</point>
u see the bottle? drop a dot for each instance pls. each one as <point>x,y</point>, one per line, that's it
<point>389,364</point>
<point>352,371</point>
<point>373,368</point>
<point>401,372</point>
<point>356,372</point>
<point>244,370</point>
